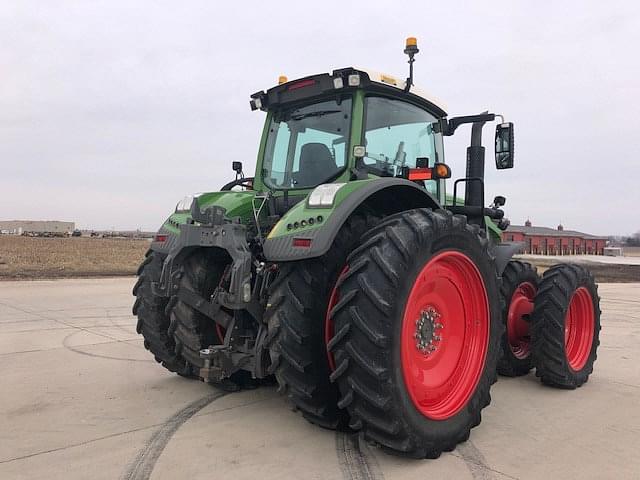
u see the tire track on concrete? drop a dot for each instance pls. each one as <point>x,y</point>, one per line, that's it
<point>56,320</point>
<point>476,463</point>
<point>66,345</point>
<point>118,434</point>
<point>143,465</point>
<point>355,463</point>
<point>78,329</point>
<point>118,325</point>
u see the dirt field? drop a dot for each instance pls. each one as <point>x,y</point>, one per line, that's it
<point>43,258</point>
<point>32,258</point>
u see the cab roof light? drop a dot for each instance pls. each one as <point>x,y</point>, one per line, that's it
<point>282,79</point>
<point>256,104</point>
<point>338,83</point>
<point>410,49</point>
<point>354,80</point>
<point>388,79</point>
<point>258,101</point>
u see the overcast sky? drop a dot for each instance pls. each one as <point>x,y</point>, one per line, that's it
<point>111,111</point>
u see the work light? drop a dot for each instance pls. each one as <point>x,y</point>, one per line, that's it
<point>324,195</point>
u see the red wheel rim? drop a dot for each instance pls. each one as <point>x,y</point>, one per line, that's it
<point>442,378</point>
<point>578,328</point>
<point>517,327</point>
<point>329,329</point>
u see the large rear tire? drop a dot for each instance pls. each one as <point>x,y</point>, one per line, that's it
<point>565,326</point>
<point>519,286</point>
<point>418,332</point>
<point>296,316</point>
<point>153,322</point>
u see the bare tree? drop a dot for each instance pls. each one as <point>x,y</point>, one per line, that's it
<point>633,240</point>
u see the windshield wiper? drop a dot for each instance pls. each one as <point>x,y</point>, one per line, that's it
<point>319,113</point>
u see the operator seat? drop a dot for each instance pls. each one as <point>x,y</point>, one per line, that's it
<point>316,165</point>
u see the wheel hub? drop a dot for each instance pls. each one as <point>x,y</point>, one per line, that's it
<point>427,334</point>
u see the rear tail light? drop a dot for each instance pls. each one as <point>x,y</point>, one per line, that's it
<point>420,174</point>
<point>160,238</point>
<point>302,242</point>
<point>301,84</point>
<point>438,171</point>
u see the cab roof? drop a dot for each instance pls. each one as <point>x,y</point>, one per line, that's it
<point>390,80</point>
<point>303,90</point>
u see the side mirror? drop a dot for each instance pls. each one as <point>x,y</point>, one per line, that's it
<point>237,167</point>
<point>504,146</point>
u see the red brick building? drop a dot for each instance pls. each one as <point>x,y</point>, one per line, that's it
<point>549,241</point>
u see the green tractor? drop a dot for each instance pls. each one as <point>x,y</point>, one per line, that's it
<point>379,302</point>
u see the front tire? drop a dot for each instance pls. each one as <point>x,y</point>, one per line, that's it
<point>192,331</point>
<point>153,322</point>
<point>417,332</point>
<point>565,329</point>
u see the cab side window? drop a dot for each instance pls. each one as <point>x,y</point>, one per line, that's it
<point>396,134</point>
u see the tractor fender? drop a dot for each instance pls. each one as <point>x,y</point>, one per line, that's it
<point>388,195</point>
<point>503,252</point>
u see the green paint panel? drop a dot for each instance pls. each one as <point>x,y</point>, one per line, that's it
<point>493,230</point>
<point>237,204</point>
<point>301,211</point>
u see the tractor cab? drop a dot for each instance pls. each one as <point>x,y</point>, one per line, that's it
<point>348,125</point>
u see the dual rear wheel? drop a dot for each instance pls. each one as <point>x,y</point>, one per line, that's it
<point>565,326</point>
<point>411,331</point>
<point>417,330</point>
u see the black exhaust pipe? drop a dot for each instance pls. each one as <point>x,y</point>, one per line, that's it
<point>474,191</point>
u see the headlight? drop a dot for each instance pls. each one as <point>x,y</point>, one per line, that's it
<point>323,195</point>
<point>184,205</point>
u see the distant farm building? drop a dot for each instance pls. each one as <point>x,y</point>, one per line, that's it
<point>549,241</point>
<point>37,227</point>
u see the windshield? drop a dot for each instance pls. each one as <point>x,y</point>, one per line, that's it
<point>307,146</point>
<point>397,134</point>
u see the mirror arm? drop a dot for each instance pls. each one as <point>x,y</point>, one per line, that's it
<point>448,127</point>
<point>476,131</point>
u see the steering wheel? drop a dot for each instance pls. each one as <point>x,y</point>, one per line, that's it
<point>246,183</point>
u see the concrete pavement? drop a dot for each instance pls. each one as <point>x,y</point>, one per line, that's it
<point>81,398</point>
